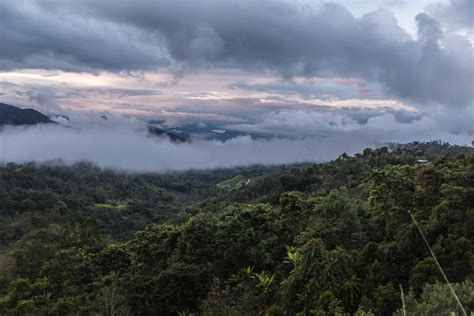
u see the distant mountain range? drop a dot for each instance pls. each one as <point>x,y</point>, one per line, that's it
<point>12,115</point>
<point>209,131</point>
<point>172,136</point>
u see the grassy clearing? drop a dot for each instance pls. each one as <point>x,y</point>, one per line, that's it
<point>110,206</point>
<point>233,183</point>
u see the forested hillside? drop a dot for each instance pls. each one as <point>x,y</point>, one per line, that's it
<point>12,115</point>
<point>312,239</point>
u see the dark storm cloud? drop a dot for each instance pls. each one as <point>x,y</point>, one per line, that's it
<point>34,37</point>
<point>277,36</point>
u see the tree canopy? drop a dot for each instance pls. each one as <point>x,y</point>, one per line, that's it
<point>312,239</point>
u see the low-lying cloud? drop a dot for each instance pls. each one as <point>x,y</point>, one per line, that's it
<point>378,124</point>
<point>129,147</point>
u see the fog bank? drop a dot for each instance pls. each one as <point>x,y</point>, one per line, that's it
<point>127,148</point>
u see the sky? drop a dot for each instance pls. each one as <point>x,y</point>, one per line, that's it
<point>385,70</point>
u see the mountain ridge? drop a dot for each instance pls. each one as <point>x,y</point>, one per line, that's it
<point>12,115</point>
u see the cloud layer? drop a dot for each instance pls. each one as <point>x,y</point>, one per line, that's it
<point>313,72</point>
<point>457,14</point>
<point>124,145</point>
<point>285,37</point>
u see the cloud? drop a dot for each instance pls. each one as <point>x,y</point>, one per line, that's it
<point>55,97</point>
<point>321,89</point>
<point>456,14</point>
<point>127,149</point>
<point>278,36</point>
<point>45,98</point>
<point>124,144</point>
<point>34,37</point>
<point>68,92</point>
<point>378,125</point>
<point>300,123</point>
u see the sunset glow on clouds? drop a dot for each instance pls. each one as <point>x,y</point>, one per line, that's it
<point>204,96</point>
<point>240,61</point>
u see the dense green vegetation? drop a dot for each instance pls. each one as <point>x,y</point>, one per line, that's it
<point>311,239</point>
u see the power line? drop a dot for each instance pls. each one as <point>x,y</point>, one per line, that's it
<point>437,263</point>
